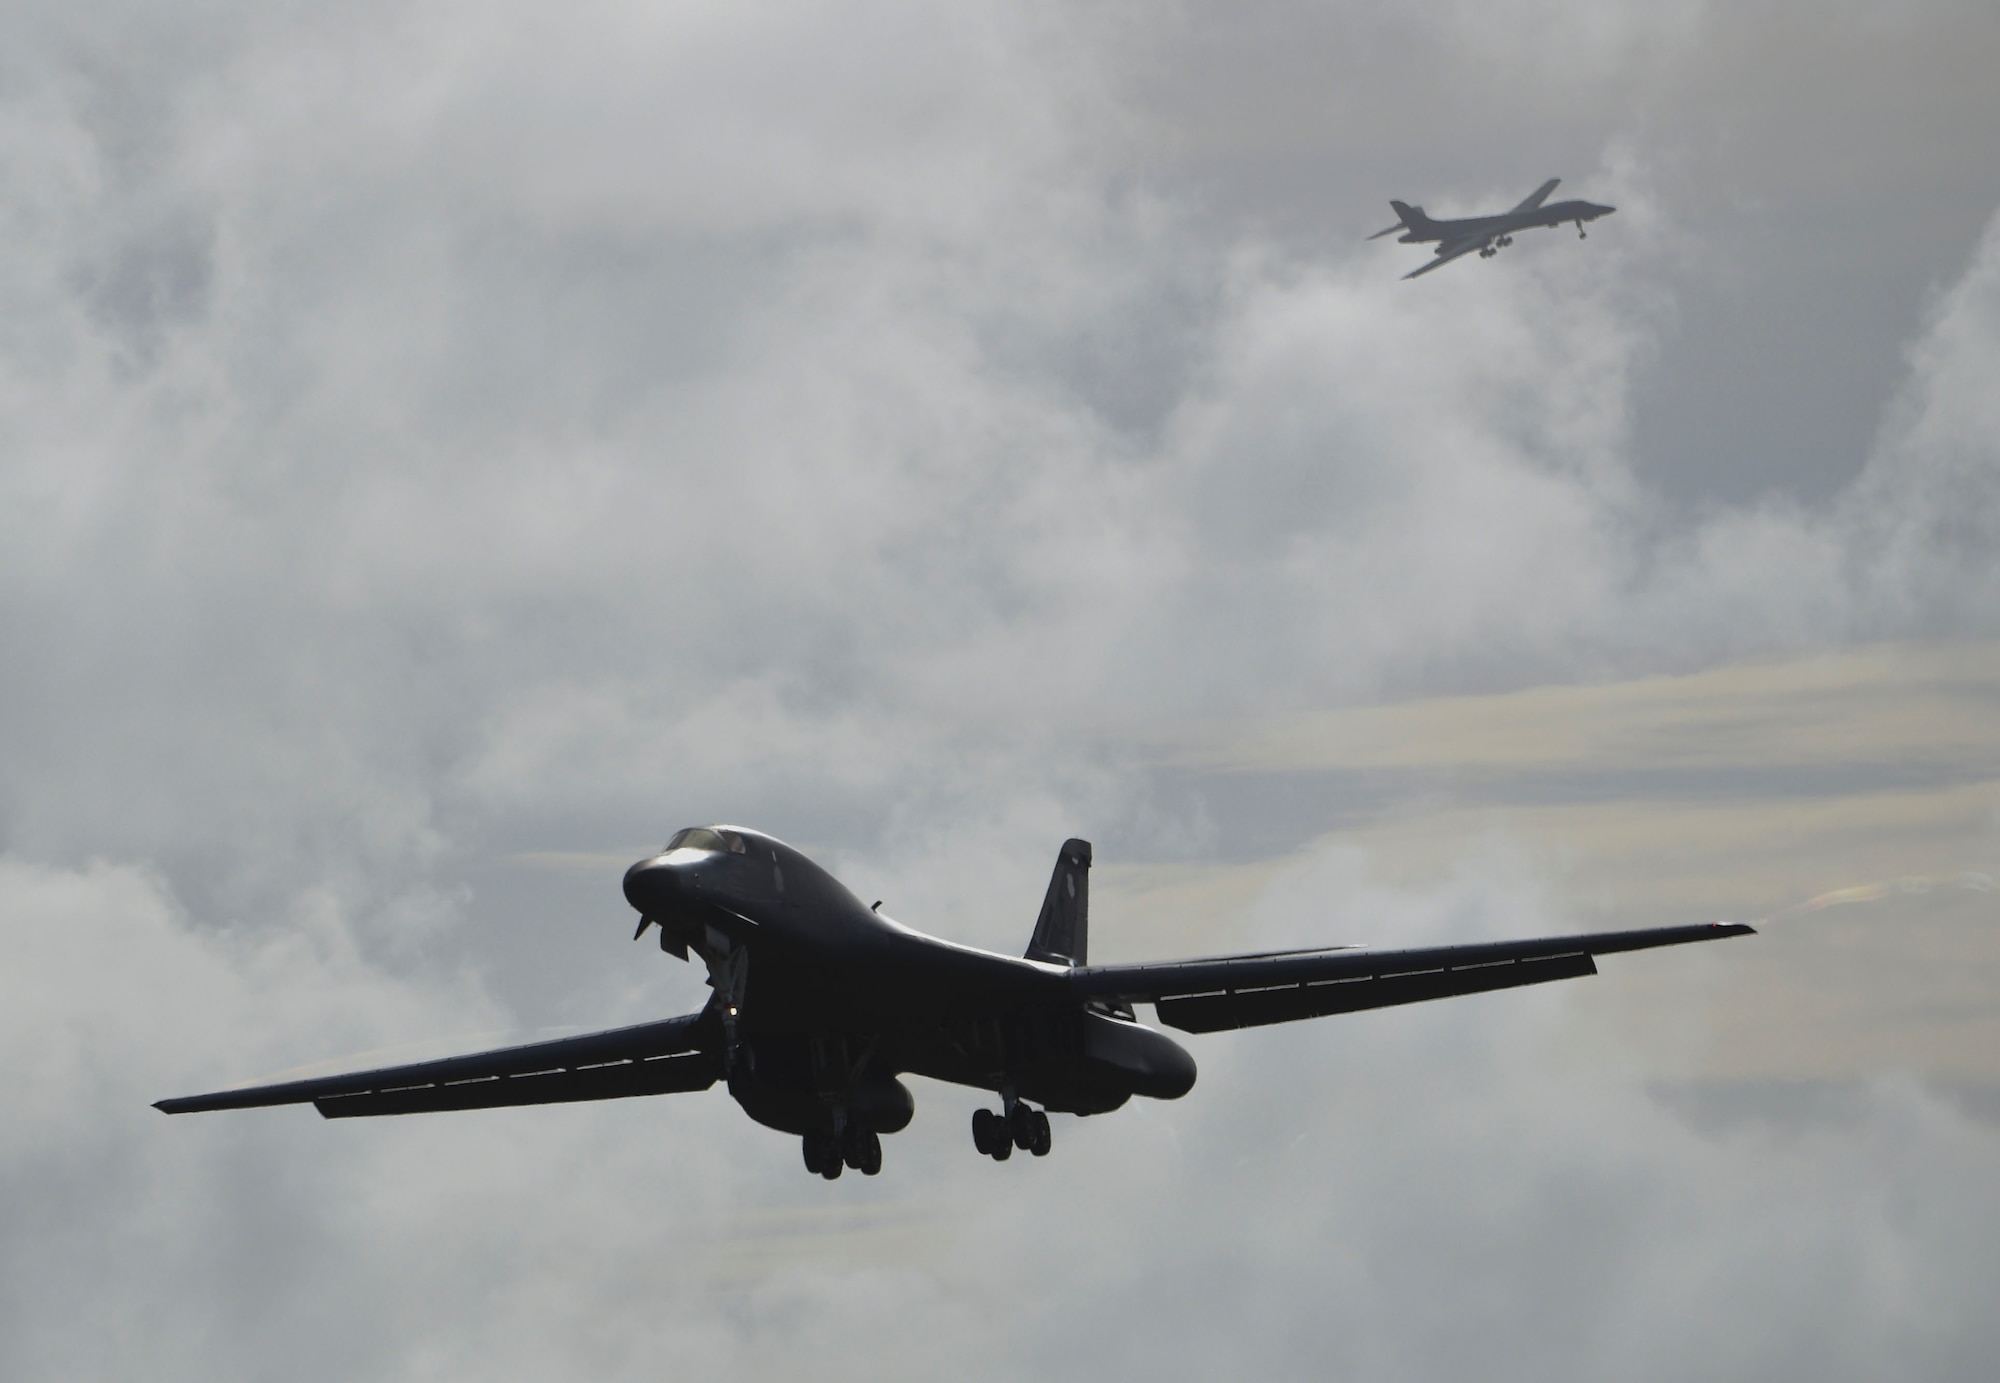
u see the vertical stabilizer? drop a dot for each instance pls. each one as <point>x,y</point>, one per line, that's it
<point>1412,218</point>
<point>1062,932</point>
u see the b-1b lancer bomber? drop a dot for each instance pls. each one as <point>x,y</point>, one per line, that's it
<point>821,1003</point>
<point>1487,234</point>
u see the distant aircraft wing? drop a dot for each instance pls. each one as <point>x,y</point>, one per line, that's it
<point>1536,198</point>
<point>1449,251</point>
<point>1251,991</point>
<point>648,1059</point>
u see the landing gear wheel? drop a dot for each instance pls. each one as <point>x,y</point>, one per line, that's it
<point>861,1149</point>
<point>830,1169</point>
<point>985,1130</point>
<point>1021,1127</point>
<point>811,1146</point>
<point>1039,1145</point>
<point>1003,1148</point>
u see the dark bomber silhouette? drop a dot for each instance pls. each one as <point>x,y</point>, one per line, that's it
<point>821,1003</point>
<point>1487,234</point>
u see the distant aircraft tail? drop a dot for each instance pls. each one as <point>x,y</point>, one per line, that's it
<point>1062,932</point>
<point>1412,216</point>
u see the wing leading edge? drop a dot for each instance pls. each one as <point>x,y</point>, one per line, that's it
<point>1449,251</point>
<point>647,1059</point>
<point>1250,991</point>
<point>1536,198</point>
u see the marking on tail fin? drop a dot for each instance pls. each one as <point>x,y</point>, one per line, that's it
<point>1062,932</point>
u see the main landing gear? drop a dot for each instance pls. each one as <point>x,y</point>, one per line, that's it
<point>827,1153</point>
<point>997,1135</point>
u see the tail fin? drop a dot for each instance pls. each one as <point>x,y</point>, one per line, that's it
<point>1062,932</point>
<point>1413,216</point>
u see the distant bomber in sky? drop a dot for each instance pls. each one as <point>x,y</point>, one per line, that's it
<point>1486,234</point>
<point>820,1003</point>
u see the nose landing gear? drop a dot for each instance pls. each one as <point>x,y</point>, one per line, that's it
<point>997,1135</point>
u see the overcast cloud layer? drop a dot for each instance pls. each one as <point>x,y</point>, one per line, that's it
<point>443,451</point>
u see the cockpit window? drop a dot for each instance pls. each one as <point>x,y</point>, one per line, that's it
<point>705,838</point>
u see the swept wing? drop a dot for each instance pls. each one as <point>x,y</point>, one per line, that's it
<point>1253,990</point>
<point>1536,198</point>
<point>1449,251</point>
<point>646,1059</point>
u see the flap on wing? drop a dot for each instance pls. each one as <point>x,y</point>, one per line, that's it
<point>1246,991</point>
<point>608,1062</point>
<point>658,1075</point>
<point>1251,1008</point>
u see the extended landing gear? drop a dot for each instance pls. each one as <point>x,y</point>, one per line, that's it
<point>997,1135</point>
<point>826,1154</point>
<point>990,1136</point>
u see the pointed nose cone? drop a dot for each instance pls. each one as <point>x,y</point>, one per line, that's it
<point>651,886</point>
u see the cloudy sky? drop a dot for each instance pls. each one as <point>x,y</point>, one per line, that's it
<point>444,449</point>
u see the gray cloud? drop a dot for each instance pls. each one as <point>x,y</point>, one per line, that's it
<point>432,438</point>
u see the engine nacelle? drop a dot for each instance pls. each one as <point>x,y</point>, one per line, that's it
<point>1141,1059</point>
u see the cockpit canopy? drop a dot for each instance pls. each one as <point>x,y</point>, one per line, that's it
<point>717,838</point>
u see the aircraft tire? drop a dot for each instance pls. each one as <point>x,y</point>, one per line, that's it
<point>983,1130</point>
<point>810,1146</point>
<point>1003,1148</point>
<point>871,1156</point>
<point>831,1168</point>
<point>1043,1139</point>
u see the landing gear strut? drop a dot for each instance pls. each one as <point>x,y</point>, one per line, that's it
<point>997,1135</point>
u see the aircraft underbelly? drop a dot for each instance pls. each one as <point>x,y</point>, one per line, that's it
<point>1068,1059</point>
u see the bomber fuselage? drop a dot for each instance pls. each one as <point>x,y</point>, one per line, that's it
<point>818,994</point>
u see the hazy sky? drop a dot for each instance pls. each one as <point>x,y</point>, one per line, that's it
<point>444,449</point>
